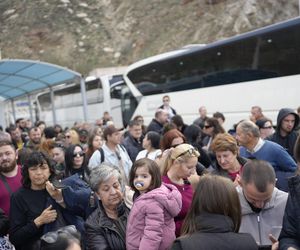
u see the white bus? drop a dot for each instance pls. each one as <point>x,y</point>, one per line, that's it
<point>68,101</point>
<point>102,93</point>
<point>261,68</point>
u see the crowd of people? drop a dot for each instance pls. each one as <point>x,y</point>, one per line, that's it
<point>168,185</point>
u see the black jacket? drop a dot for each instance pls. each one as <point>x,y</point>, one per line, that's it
<point>215,232</point>
<point>102,232</point>
<point>133,147</point>
<point>287,142</point>
<point>290,233</point>
<point>155,126</point>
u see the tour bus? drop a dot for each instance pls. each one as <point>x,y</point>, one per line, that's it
<point>68,102</point>
<point>261,67</point>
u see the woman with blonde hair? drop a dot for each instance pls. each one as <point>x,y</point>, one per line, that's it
<point>214,218</point>
<point>178,167</point>
<point>71,137</point>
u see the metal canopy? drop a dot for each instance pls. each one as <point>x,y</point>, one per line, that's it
<point>21,77</point>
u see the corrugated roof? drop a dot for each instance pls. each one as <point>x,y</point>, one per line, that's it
<point>21,77</point>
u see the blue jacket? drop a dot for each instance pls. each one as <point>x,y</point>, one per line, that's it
<point>80,203</point>
<point>290,233</point>
<point>283,164</point>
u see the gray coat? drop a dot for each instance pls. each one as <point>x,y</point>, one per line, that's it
<point>269,220</point>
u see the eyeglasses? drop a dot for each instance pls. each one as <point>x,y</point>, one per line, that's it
<point>269,127</point>
<point>79,154</point>
<point>52,237</point>
<point>190,151</point>
<point>207,126</point>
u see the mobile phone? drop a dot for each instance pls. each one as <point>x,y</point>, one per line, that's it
<point>58,184</point>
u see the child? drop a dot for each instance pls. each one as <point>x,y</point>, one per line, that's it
<point>150,224</point>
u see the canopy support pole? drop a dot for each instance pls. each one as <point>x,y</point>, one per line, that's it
<point>53,106</point>
<point>84,100</point>
<point>13,110</point>
<point>30,108</point>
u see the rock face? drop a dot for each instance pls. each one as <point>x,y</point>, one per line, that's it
<point>84,35</point>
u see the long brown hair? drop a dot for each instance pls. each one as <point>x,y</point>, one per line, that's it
<point>215,195</point>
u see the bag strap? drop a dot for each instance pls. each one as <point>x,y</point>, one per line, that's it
<point>102,154</point>
<point>2,177</point>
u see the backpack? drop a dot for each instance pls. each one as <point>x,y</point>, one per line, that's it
<point>102,152</point>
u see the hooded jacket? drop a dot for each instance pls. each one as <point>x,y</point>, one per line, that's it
<point>290,234</point>
<point>151,220</point>
<point>287,142</point>
<point>268,220</point>
<point>215,231</point>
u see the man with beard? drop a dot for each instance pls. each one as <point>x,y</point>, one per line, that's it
<point>285,135</point>
<point>35,137</point>
<point>10,174</point>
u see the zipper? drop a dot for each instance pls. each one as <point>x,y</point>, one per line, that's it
<point>259,231</point>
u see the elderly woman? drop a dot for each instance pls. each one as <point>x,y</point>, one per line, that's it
<point>28,212</point>
<point>180,165</point>
<point>105,227</point>
<point>228,163</point>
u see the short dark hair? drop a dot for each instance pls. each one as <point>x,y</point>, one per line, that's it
<point>49,132</point>
<point>7,143</point>
<point>154,171</point>
<point>219,115</point>
<point>177,120</point>
<point>260,173</point>
<point>192,133</point>
<point>109,130</point>
<point>134,123</point>
<point>35,158</point>
<point>154,139</point>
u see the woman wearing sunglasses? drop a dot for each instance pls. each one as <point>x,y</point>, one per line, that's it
<point>28,211</point>
<point>180,164</point>
<point>75,160</point>
<point>211,128</point>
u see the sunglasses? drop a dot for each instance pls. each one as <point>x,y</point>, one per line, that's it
<point>190,151</point>
<point>79,154</point>
<point>269,127</point>
<point>69,231</point>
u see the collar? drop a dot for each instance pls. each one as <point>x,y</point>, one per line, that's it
<point>258,146</point>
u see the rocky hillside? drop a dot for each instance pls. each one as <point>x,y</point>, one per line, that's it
<point>88,34</point>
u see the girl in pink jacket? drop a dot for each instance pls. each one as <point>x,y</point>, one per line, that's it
<point>150,224</point>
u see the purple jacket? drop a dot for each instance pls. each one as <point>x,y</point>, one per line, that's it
<point>150,224</point>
